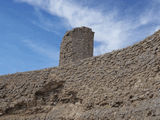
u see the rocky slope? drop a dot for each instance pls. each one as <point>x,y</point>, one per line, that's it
<point>121,85</point>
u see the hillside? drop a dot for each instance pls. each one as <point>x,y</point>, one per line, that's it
<point>121,85</point>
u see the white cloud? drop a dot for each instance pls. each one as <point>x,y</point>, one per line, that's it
<point>46,24</point>
<point>157,28</point>
<point>110,32</point>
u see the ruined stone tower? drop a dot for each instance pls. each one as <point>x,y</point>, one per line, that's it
<point>77,44</point>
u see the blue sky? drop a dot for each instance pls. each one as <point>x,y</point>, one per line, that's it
<point>31,30</point>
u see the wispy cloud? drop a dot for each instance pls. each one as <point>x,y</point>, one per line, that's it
<point>110,31</point>
<point>43,50</point>
<point>157,1</point>
<point>45,23</point>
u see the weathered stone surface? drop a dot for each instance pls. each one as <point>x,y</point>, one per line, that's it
<point>77,44</point>
<point>121,85</point>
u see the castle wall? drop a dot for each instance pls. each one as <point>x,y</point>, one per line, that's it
<point>122,85</point>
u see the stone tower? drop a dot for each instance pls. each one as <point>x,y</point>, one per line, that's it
<point>77,44</point>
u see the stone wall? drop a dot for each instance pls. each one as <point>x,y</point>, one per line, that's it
<point>121,85</point>
<point>76,45</point>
